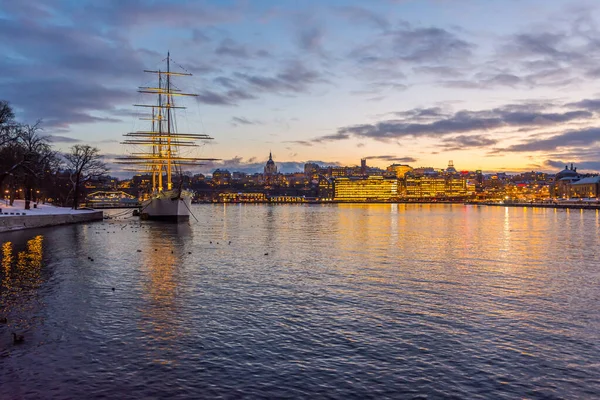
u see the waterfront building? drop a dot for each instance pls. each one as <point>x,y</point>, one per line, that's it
<point>399,170</point>
<point>325,191</point>
<point>242,198</point>
<point>372,188</point>
<point>585,187</point>
<point>424,186</point>
<point>287,199</point>
<point>111,199</point>
<point>561,188</point>
<point>439,187</point>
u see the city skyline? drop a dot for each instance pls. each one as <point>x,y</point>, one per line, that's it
<point>506,86</point>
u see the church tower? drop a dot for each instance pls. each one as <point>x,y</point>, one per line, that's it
<point>270,168</point>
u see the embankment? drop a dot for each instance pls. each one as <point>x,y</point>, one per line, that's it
<point>17,222</point>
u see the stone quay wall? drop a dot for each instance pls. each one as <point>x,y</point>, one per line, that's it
<point>17,222</point>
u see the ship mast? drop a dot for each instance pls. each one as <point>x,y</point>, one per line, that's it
<point>162,138</point>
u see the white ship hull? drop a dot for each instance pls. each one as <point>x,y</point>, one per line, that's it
<point>167,206</point>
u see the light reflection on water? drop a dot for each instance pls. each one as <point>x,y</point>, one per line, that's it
<point>307,301</point>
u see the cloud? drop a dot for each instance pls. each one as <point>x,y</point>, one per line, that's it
<point>61,139</point>
<point>363,16</point>
<point>416,45</point>
<point>583,137</point>
<point>300,142</point>
<point>591,166</point>
<point>311,38</point>
<point>228,98</point>
<point>586,104</point>
<point>463,142</point>
<point>293,77</point>
<point>62,102</point>
<point>549,46</point>
<point>228,47</point>
<point>441,71</point>
<point>235,121</point>
<point>392,158</point>
<point>411,123</point>
<point>126,15</point>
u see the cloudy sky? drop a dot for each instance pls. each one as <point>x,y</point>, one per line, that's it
<point>490,84</point>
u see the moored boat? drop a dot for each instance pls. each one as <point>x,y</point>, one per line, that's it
<point>160,155</point>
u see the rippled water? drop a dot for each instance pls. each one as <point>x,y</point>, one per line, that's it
<point>296,301</point>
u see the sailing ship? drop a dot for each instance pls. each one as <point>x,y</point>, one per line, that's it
<point>160,154</point>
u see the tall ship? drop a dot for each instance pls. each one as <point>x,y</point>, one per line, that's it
<point>159,149</point>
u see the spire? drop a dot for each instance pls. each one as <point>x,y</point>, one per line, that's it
<point>270,156</point>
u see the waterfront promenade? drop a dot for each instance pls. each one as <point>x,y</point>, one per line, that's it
<point>582,205</point>
<point>15,217</point>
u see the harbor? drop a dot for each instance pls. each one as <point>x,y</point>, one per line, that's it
<point>393,199</point>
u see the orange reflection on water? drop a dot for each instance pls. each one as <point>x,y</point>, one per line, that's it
<point>160,312</point>
<point>18,284</point>
<point>29,262</point>
<point>7,259</point>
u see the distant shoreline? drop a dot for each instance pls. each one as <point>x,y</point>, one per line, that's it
<point>584,205</point>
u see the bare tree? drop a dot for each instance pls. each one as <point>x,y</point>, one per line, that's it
<point>7,124</point>
<point>84,162</point>
<point>25,156</point>
<point>37,158</point>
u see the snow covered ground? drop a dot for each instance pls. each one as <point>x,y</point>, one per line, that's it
<point>42,209</point>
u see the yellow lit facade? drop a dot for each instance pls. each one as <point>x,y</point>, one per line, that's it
<point>399,170</point>
<point>373,188</point>
<point>242,197</point>
<point>418,187</point>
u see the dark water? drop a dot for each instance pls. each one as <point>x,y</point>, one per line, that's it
<point>374,301</point>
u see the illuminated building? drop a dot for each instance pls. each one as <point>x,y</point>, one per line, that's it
<point>221,177</point>
<point>433,186</point>
<point>311,170</point>
<point>424,186</point>
<point>450,169</point>
<point>287,199</point>
<point>423,171</point>
<point>561,187</point>
<point>325,191</point>
<point>107,199</point>
<point>399,170</point>
<point>585,187</point>
<point>238,176</point>
<point>242,197</point>
<point>270,167</point>
<point>373,188</point>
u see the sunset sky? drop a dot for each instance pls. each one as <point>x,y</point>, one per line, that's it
<point>498,85</point>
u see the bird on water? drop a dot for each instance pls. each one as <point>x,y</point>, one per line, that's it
<point>18,338</point>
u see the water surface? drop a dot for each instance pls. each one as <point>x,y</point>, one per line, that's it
<point>337,301</point>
